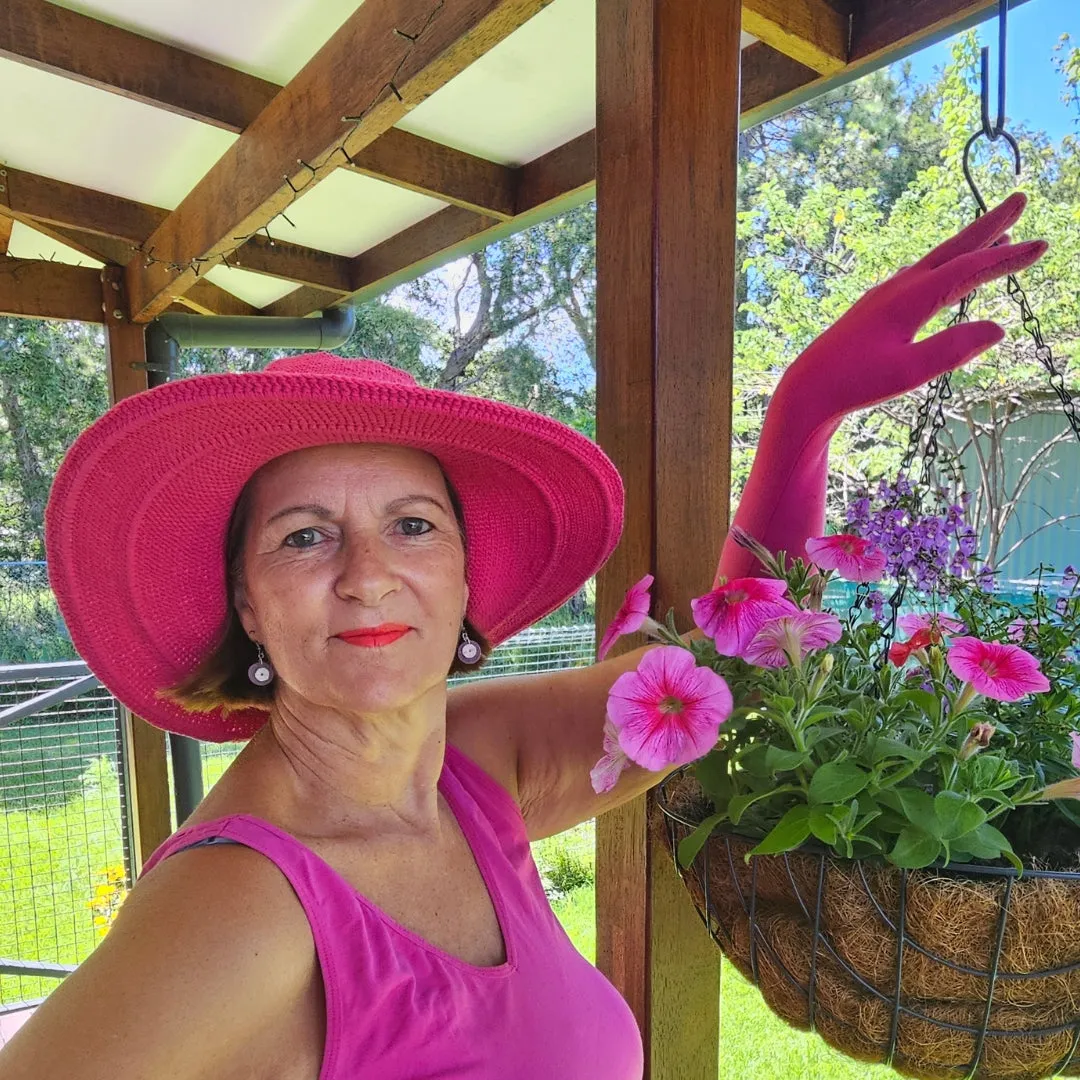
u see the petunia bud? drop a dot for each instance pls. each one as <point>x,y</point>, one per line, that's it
<point>978,739</point>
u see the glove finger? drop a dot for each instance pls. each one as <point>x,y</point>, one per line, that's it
<point>949,283</point>
<point>950,349</point>
<point>979,234</point>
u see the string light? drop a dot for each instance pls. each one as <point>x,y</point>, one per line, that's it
<point>199,262</point>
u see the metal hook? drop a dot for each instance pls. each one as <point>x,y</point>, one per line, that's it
<point>992,132</point>
<point>995,131</point>
<point>966,163</point>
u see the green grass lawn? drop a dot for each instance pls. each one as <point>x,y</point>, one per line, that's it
<point>52,862</point>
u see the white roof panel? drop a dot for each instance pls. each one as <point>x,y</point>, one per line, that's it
<point>256,289</point>
<point>27,243</point>
<point>272,39</point>
<point>65,130</point>
<point>348,213</point>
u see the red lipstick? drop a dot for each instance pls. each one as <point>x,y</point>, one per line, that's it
<point>370,637</point>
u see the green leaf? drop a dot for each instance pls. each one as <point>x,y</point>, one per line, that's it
<point>927,703</point>
<point>741,803</point>
<point>822,825</point>
<point>690,845</point>
<point>837,781</point>
<point>914,806</point>
<point>780,760</point>
<point>892,748</point>
<point>711,773</point>
<point>986,842</point>
<point>789,832</point>
<point>914,849</point>
<point>957,815</point>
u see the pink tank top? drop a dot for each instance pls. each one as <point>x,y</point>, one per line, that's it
<point>397,1008</point>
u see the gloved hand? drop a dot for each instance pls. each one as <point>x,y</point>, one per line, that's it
<point>866,357</point>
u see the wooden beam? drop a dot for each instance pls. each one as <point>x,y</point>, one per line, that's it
<point>665,339</point>
<point>810,31</point>
<point>206,298</point>
<point>122,226</point>
<point>30,198</point>
<point>562,172</point>
<point>556,180</point>
<point>405,160</point>
<point>47,290</point>
<point>78,47</point>
<point>279,259</point>
<point>256,178</point>
<point>5,233</point>
<point>882,28</point>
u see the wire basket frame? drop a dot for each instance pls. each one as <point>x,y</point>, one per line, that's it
<point>729,846</point>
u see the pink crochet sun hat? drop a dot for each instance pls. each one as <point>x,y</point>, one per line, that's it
<point>135,528</point>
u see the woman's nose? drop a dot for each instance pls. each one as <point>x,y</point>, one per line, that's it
<point>368,573</point>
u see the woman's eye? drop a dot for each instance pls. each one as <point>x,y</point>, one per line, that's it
<point>303,538</point>
<point>410,526</point>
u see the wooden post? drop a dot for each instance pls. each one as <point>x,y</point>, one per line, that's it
<point>147,771</point>
<point>667,136</point>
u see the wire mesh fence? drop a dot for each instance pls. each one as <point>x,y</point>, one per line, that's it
<point>63,837</point>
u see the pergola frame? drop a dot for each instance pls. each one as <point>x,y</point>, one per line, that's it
<point>673,88</point>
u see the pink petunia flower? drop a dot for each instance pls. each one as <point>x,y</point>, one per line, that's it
<point>669,711</point>
<point>789,638</point>
<point>606,772</point>
<point>852,557</point>
<point>940,626</point>
<point>630,617</point>
<point>996,670</point>
<point>733,613</point>
<point>1075,736</point>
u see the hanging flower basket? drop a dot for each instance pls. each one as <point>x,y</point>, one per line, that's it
<point>881,834</point>
<point>954,972</point>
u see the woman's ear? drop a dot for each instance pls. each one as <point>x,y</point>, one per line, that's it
<point>245,613</point>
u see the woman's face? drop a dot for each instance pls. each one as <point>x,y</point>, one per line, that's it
<point>348,537</point>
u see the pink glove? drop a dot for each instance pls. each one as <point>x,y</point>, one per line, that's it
<point>866,357</point>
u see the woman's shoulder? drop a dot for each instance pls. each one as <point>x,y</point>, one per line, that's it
<point>219,920</point>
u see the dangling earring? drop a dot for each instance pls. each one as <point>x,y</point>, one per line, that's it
<point>468,651</point>
<point>261,673</point>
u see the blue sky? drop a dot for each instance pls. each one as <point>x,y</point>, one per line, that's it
<point>1033,84</point>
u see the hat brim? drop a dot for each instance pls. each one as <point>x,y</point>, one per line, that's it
<point>137,517</point>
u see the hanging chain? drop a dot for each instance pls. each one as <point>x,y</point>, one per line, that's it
<point>1044,354</point>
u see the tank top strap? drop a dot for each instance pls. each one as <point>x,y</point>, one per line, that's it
<point>484,799</point>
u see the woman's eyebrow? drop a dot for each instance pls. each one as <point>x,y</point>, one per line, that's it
<point>405,500</point>
<point>321,511</point>
<point>310,508</point>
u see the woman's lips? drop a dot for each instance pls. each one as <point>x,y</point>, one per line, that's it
<point>371,641</point>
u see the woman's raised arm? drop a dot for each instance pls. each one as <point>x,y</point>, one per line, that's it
<point>866,357</point>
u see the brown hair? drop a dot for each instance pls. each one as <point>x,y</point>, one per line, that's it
<point>221,680</point>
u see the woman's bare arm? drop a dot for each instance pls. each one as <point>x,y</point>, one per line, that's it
<point>210,951</point>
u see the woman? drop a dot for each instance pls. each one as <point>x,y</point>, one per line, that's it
<point>355,897</point>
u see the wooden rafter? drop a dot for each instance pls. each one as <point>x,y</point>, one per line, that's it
<point>556,179</point>
<point>45,204</point>
<point>812,32</point>
<point>5,233</point>
<point>206,298</point>
<point>430,168</point>
<point>30,198</point>
<point>45,290</point>
<point>76,46</point>
<point>245,189</point>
